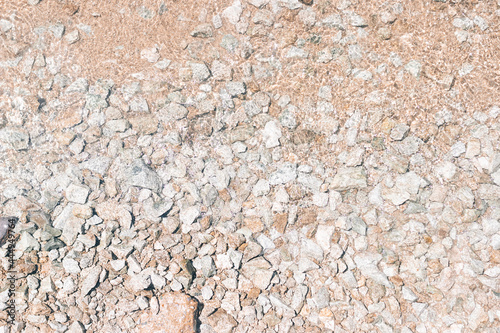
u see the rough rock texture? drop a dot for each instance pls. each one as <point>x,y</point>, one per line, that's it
<point>279,165</point>
<point>176,313</point>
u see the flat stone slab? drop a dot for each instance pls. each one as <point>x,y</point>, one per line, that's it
<point>177,314</point>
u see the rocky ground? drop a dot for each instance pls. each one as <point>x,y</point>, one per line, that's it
<point>251,166</point>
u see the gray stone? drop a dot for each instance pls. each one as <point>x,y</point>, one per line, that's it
<point>150,54</point>
<point>446,170</point>
<point>203,31</point>
<point>206,265</point>
<point>53,244</point>
<point>139,104</point>
<point>221,71</point>
<point>307,16</point>
<point>311,250</point>
<point>95,102</point>
<point>235,88</point>
<point>209,194</point>
<point>98,165</point>
<point>458,149</point>
<point>358,224</point>
<point>17,137</point>
<point>349,178</point>
<point>200,71</point>
<point>325,55</point>
<point>406,186</point>
<point>217,21</point>
<point>262,99</point>
<point>155,209</point>
<point>163,64</point>
<point>252,109</point>
<point>177,111</point>
<point>360,74</point>
<point>118,125</point>
<point>145,12</point>
<point>399,132</point>
<point>47,285</point>
<point>287,117</point>
<point>205,106</point>
<point>409,145</point>
<point>355,52</point>
<point>137,173</point>
<point>349,279</point>
<point>229,42</point>
<point>396,162</point>
<point>80,85</point>
<point>138,282</point>
<point>57,30</point>
<point>333,21</point>
<point>325,92</point>
<point>310,182</point>
<point>496,177</point>
<point>488,191</point>
<point>71,229</point>
<point>258,3</point>
<point>64,216</point>
<point>286,173</point>
<point>264,17</point>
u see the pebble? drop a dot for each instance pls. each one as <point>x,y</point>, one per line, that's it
<point>189,215</point>
<point>233,12</point>
<point>77,194</point>
<point>349,178</point>
<point>202,31</point>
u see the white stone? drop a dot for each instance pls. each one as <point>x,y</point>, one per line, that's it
<point>446,170</point>
<point>271,134</point>
<point>367,264</point>
<point>324,236</point>
<point>77,193</point>
<point>206,292</point>
<point>233,13</point>
<point>320,199</point>
<point>189,215</point>
<point>71,266</point>
<point>409,295</point>
<point>261,188</point>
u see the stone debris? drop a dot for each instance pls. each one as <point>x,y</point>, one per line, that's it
<point>266,166</point>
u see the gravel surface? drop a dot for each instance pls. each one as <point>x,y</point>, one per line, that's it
<point>251,165</point>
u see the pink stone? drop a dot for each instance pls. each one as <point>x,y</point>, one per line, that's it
<point>177,314</point>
